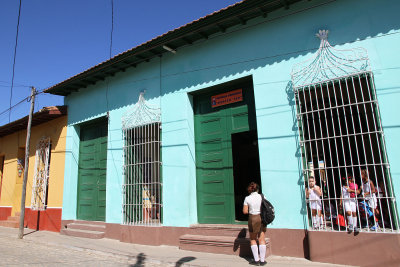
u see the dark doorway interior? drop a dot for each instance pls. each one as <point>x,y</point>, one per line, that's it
<point>246,167</point>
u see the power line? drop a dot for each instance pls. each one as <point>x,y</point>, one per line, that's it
<point>108,83</point>
<point>11,107</point>
<point>28,99</point>
<point>15,55</point>
<point>112,26</point>
<point>111,42</point>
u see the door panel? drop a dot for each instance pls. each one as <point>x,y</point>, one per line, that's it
<point>215,192</point>
<point>239,119</point>
<point>102,181</point>
<point>92,172</point>
<point>212,167</point>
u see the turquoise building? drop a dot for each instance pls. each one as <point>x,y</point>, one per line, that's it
<point>163,139</point>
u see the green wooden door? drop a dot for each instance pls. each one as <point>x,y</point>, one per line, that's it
<point>92,172</point>
<point>215,191</point>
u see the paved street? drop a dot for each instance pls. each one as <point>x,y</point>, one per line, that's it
<point>16,252</point>
<point>42,248</point>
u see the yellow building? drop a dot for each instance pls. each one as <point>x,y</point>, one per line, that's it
<point>44,191</point>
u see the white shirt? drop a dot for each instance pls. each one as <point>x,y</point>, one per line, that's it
<point>254,203</point>
<point>367,188</point>
<point>345,193</point>
<point>312,195</point>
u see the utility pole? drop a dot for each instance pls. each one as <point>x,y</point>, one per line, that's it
<point>28,137</point>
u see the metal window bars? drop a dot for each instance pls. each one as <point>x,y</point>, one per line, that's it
<point>341,137</point>
<point>142,189</point>
<point>41,174</point>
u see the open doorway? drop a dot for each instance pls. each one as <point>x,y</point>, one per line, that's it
<point>226,150</point>
<point>246,167</point>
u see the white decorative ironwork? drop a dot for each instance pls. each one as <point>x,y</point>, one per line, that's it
<point>141,114</point>
<point>142,188</point>
<point>342,143</point>
<point>41,174</point>
<point>329,63</point>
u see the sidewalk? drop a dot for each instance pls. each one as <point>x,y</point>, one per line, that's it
<point>154,255</point>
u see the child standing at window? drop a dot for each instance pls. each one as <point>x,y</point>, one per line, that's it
<point>368,192</point>
<point>313,193</point>
<point>349,189</point>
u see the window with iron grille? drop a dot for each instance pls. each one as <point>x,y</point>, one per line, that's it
<point>348,184</point>
<point>142,189</point>
<point>41,175</point>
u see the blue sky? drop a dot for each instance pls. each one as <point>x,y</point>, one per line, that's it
<point>59,39</point>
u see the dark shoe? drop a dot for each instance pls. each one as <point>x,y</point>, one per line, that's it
<point>255,263</point>
<point>262,263</point>
<point>350,228</point>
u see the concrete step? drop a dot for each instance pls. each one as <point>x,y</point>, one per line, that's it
<point>83,233</point>
<point>18,214</point>
<point>12,224</point>
<point>90,222</point>
<point>89,227</point>
<point>219,244</point>
<point>239,231</point>
<point>13,218</point>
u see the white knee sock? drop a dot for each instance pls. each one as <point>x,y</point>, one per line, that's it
<point>349,220</point>
<point>321,221</point>
<point>314,221</point>
<point>254,249</point>
<point>263,250</point>
<point>355,221</point>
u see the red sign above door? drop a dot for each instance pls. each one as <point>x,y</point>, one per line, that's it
<point>227,98</point>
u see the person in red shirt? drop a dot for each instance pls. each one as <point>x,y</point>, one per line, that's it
<point>353,190</point>
<point>353,187</point>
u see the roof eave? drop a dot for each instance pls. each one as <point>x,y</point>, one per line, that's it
<point>215,22</point>
<point>44,115</point>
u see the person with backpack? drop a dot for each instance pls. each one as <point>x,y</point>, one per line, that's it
<point>252,206</point>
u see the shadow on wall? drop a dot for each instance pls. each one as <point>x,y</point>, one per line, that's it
<point>214,60</point>
<point>306,245</point>
<point>48,219</point>
<point>300,180</point>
